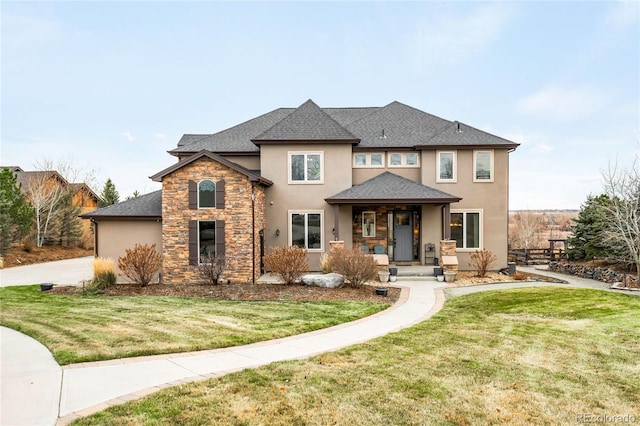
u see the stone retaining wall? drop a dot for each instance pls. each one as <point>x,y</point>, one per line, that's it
<point>595,273</point>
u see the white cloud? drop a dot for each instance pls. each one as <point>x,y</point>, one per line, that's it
<point>455,36</point>
<point>128,135</point>
<point>562,103</point>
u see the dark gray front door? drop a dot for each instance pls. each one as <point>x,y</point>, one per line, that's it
<point>403,235</point>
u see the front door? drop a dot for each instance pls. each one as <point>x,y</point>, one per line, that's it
<point>403,235</point>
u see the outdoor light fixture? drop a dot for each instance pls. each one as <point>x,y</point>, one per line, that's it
<point>277,232</point>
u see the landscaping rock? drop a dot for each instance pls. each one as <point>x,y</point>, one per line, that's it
<point>331,280</point>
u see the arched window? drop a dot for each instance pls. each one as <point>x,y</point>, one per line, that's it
<point>206,194</point>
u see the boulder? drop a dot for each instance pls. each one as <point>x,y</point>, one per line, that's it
<point>331,280</point>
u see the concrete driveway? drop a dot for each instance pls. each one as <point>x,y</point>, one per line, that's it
<point>70,271</point>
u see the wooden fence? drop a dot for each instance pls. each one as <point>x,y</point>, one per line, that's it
<point>536,256</point>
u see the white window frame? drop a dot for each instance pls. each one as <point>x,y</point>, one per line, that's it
<point>491,166</point>
<point>215,188</point>
<point>454,179</point>
<point>403,160</point>
<point>368,234</point>
<point>305,181</point>
<point>367,162</point>
<point>306,212</point>
<point>464,229</point>
<point>215,241</point>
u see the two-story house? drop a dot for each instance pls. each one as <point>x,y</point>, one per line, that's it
<point>393,177</point>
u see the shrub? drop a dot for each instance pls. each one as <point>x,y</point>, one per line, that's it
<point>289,262</point>
<point>356,266</point>
<point>141,263</point>
<point>325,267</point>
<point>482,260</point>
<point>211,267</point>
<point>104,274</point>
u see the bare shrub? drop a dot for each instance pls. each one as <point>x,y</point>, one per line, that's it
<point>482,260</point>
<point>141,263</point>
<point>211,267</point>
<point>356,266</point>
<point>289,262</point>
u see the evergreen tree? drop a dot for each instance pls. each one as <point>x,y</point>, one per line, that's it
<point>587,238</point>
<point>68,225</point>
<point>16,214</point>
<point>109,194</point>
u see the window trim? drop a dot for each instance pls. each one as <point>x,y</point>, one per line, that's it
<point>305,181</point>
<point>491,166</point>
<point>290,214</point>
<point>454,166</point>
<point>215,188</point>
<point>403,160</point>
<point>367,160</point>
<point>464,212</point>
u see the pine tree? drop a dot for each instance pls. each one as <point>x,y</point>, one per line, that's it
<point>587,238</point>
<point>109,194</point>
<point>16,214</point>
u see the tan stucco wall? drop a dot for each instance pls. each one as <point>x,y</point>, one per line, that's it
<point>115,236</point>
<point>251,162</point>
<point>492,198</point>
<point>282,196</point>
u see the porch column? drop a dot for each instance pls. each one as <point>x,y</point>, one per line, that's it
<point>446,222</point>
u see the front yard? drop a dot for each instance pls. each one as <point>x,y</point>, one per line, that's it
<point>92,328</point>
<point>522,356</point>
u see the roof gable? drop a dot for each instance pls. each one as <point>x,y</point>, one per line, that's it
<point>252,176</point>
<point>391,188</point>
<point>308,122</point>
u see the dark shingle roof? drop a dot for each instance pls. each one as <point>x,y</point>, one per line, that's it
<point>391,188</point>
<point>307,123</point>
<point>148,206</point>
<point>395,125</point>
<point>459,134</point>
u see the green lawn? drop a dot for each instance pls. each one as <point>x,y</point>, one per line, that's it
<point>90,328</point>
<point>522,356</point>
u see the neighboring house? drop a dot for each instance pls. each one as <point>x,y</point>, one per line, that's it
<point>393,177</point>
<point>83,196</point>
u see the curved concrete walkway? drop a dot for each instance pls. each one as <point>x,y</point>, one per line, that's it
<point>90,387</point>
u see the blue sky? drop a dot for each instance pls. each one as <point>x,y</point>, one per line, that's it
<point>111,86</point>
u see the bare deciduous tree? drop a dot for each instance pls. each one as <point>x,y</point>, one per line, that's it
<point>524,230</point>
<point>45,191</point>
<point>622,185</point>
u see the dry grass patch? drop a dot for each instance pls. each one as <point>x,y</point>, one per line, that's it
<point>512,357</point>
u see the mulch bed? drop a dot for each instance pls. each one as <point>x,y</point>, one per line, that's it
<point>247,292</point>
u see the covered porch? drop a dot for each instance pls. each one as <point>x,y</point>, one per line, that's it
<point>392,215</point>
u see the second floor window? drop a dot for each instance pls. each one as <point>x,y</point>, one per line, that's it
<point>305,167</point>
<point>206,194</point>
<point>374,159</point>
<point>446,167</point>
<point>404,159</point>
<point>483,166</point>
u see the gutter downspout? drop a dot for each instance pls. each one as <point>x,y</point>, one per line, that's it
<point>95,236</point>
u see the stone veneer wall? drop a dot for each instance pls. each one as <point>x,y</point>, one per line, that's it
<point>237,215</point>
<point>448,248</point>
